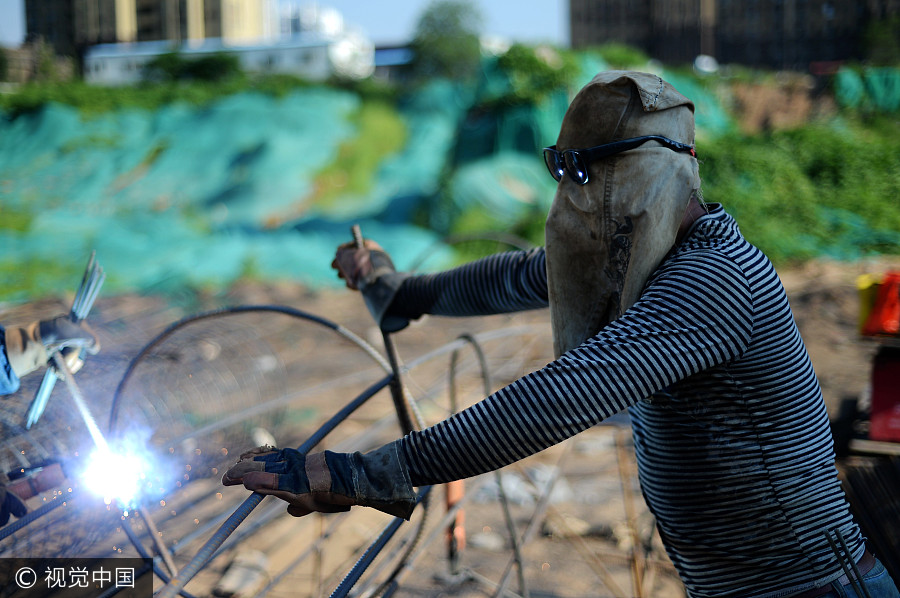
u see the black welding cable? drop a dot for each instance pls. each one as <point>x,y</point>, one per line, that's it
<point>230,311</point>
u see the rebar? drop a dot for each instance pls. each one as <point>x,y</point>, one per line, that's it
<point>161,548</point>
<point>281,309</point>
<point>538,515</point>
<point>184,575</point>
<point>206,553</point>
<point>373,551</point>
<point>504,502</point>
<point>146,555</point>
<point>15,526</point>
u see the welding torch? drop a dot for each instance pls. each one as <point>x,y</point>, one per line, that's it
<point>87,292</point>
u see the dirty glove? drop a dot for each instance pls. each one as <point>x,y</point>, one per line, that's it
<point>10,504</point>
<point>29,348</point>
<point>327,482</point>
<point>370,270</point>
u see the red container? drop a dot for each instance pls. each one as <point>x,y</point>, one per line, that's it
<point>884,418</point>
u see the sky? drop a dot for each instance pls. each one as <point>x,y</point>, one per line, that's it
<point>393,21</point>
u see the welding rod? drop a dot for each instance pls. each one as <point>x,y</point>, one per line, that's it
<point>90,287</point>
<point>39,402</point>
<point>80,402</point>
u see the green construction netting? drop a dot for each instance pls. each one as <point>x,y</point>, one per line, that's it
<point>710,116</point>
<point>188,196</point>
<point>408,177</point>
<point>875,88</point>
<point>201,196</point>
<point>502,192</point>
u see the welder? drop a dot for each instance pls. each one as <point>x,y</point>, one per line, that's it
<point>25,349</point>
<point>658,306</point>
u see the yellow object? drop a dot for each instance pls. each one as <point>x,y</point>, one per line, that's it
<point>867,285</point>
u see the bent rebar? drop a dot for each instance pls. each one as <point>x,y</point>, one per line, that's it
<point>207,551</point>
<point>504,502</point>
<point>289,311</point>
<point>229,526</point>
<point>373,551</point>
<point>31,516</point>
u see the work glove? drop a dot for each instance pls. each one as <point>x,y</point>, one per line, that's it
<point>327,482</point>
<point>370,270</point>
<point>30,347</point>
<point>10,504</point>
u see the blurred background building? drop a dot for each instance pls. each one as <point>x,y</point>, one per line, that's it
<point>72,25</point>
<point>111,40</point>
<point>780,34</point>
<point>801,35</point>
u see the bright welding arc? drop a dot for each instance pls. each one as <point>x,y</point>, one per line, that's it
<point>111,475</point>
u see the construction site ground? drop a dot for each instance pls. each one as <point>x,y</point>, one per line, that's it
<point>578,540</point>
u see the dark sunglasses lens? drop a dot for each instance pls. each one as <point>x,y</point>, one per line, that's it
<point>577,169</point>
<point>554,164</point>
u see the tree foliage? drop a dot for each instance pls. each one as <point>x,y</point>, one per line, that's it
<point>45,62</point>
<point>446,41</point>
<point>622,56</point>
<point>536,72</point>
<point>173,66</point>
<point>882,41</point>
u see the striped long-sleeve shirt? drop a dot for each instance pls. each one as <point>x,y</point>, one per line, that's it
<point>734,451</point>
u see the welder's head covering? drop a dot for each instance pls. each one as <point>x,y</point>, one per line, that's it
<point>606,236</point>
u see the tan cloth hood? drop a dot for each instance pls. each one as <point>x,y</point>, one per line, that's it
<point>605,238</point>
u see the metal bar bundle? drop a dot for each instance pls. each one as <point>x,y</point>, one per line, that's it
<point>84,299</point>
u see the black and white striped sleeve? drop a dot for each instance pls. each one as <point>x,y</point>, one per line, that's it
<point>501,283</point>
<point>694,315</point>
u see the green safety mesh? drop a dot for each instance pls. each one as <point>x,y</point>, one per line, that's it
<point>186,195</point>
<point>874,87</point>
<point>710,116</point>
<point>503,192</point>
<point>202,196</point>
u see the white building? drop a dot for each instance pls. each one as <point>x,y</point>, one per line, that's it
<point>320,47</point>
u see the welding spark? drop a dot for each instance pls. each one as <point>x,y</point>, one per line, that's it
<point>115,476</point>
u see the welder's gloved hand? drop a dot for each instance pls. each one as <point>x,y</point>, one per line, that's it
<point>327,482</point>
<point>370,270</point>
<point>29,347</point>
<point>10,504</point>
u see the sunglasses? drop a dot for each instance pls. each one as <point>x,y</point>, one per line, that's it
<point>575,161</point>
